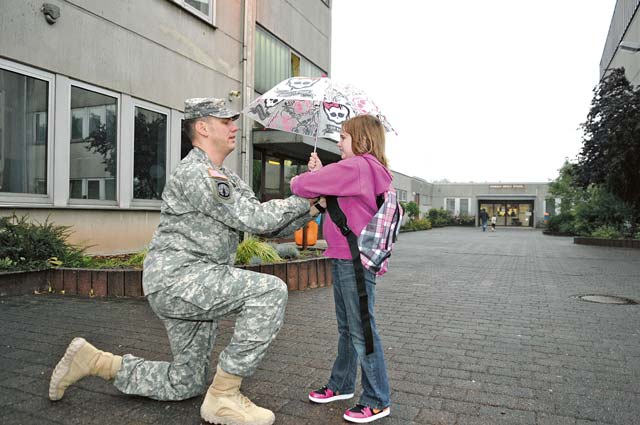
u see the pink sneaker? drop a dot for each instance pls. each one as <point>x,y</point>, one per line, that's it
<point>326,395</point>
<point>362,414</point>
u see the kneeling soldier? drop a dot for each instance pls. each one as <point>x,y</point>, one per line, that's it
<point>190,282</point>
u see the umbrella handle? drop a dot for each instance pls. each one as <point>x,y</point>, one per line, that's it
<point>315,142</point>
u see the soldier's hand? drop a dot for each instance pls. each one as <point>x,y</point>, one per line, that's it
<point>318,205</point>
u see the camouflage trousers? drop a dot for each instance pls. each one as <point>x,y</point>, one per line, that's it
<point>258,299</point>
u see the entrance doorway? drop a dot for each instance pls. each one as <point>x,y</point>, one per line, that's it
<point>272,174</point>
<point>513,213</point>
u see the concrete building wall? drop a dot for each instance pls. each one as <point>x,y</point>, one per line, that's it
<point>153,50</point>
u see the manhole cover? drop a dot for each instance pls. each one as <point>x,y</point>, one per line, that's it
<point>606,299</point>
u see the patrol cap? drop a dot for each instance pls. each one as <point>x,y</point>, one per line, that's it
<point>199,107</point>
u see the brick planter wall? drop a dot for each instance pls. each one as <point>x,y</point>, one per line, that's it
<point>20,283</point>
<point>620,243</point>
<point>298,275</point>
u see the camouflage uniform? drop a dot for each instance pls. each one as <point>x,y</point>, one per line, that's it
<point>190,281</point>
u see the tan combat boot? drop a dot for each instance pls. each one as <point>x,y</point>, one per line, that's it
<point>80,360</point>
<point>224,404</point>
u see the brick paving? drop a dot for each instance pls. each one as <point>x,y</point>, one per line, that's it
<point>478,328</point>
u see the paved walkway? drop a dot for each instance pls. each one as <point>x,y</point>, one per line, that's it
<point>478,328</point>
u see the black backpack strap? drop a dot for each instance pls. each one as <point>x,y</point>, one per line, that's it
<point>340,220</point>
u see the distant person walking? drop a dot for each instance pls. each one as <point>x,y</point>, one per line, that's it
<point>483,219</point>
<point>493,223</point>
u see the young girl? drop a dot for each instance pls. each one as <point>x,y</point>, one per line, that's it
<point>355,180</point>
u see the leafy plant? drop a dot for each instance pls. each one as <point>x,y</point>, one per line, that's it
<point>252,247</point>
<point>29,244</point>
<point>607,232</point>
<point>6,263</point>
<point>562,223</point>
<point>411,209</point>
<point>420,224</point>
<point>439,217</point>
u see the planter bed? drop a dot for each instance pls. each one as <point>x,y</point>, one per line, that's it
<point>298,275</point>
<point>550,233</point>
<point>620,243</point>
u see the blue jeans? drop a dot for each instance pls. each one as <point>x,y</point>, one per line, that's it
<point>351,347</point>
<point>484,226</point>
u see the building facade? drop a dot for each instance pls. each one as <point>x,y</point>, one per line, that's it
<point>92,94</point>
<point>513,204</point>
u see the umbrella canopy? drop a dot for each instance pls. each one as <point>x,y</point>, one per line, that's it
<point>314,107</point>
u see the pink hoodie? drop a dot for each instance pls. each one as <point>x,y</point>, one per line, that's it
<point>356,181</point>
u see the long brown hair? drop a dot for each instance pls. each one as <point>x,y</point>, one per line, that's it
<point>367,136</point>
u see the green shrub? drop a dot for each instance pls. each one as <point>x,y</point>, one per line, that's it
<point>439,217</point>
<point>464,220</point>
<point>420,224</point>
<point>562,223</point>
<point>252,247</point>
<point>28,245</point>
<point>607,232</point>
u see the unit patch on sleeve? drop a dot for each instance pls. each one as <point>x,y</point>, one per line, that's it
<point>223,188</point>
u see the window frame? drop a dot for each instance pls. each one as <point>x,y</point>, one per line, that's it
<point>209,19</point>
<point>130,150</point>
<point>72,202</point>
<point>33,198</point>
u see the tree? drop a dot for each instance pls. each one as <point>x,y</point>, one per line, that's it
<point>565,186</point>
<point>411,209</point>
<point>611,143</point>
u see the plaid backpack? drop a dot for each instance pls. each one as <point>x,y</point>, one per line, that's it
<point>377,238</point>
<point>372,248</point>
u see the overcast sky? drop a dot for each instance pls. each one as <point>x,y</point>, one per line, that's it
<point>478,90</point>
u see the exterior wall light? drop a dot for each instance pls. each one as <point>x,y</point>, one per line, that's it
<point>51,12</point>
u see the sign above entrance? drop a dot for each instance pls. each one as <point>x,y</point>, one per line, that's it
<point>506,186</point>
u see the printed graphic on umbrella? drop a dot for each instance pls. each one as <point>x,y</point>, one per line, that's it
<point>314,107</point>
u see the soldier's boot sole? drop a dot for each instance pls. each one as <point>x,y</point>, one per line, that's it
<point>80,360</point>
<point>232,410</point>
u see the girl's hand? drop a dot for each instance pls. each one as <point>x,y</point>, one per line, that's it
<point>314,163</point>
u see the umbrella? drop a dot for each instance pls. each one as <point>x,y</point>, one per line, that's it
<point>314,107</point>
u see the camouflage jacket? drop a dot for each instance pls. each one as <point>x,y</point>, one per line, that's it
<point>203,208</point>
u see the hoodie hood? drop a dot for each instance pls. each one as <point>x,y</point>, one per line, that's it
<point>381,175</point>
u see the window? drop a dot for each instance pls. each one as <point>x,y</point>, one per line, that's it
<point>203,9</point>
<point>24,112</point>
<point>275,61</point>
<point>402,195</point>
<point>94,138</point>
<point>451,205</point>
<point>149,153</point>
<point>464,206</point>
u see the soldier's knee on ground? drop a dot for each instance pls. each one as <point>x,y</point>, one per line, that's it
<point>187,381</point>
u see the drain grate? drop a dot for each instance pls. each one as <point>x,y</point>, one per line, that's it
<point>606,299</point>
